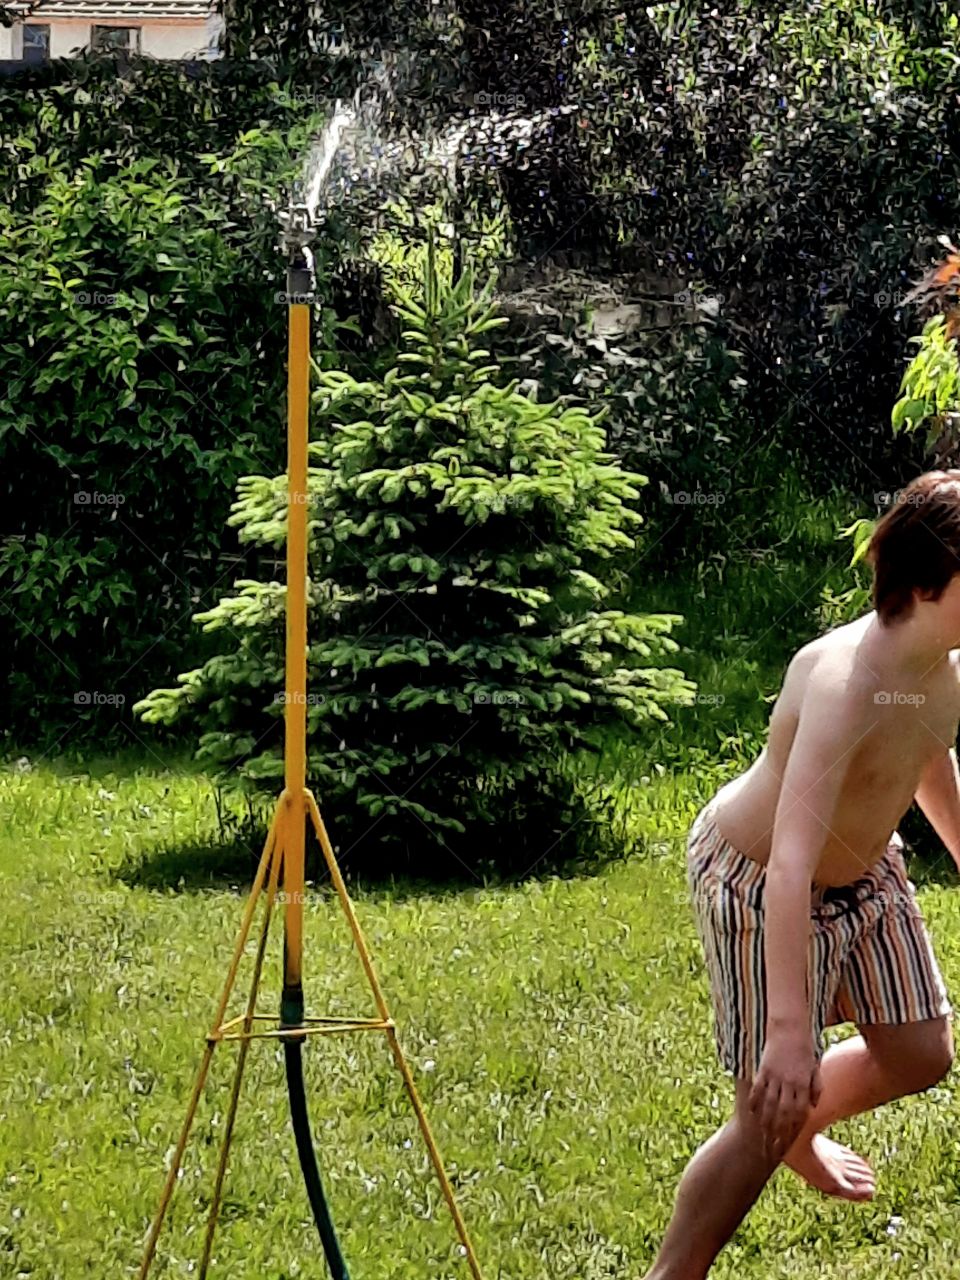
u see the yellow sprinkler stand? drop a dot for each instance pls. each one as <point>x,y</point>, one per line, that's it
<point>284,850</point>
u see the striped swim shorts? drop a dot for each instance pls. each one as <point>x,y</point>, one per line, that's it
<point>870,956</point>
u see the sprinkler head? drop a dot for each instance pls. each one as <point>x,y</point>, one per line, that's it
<point>298,229</point>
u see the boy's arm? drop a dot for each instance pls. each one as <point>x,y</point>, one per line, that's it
<point>828,730</point>
<point>938,795</point>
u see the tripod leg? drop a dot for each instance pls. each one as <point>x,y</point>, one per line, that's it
<point>434,1154</point>
<point>241,1064</point>
<point>268,851</point>
<point>392,1036</point>
<point>347,905</point>
<point>151,1246</point>
<point>175,1163</point>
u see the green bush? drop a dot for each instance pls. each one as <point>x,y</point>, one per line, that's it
<point>141,366</point>
<point>930,391</point>
<point>468,544</point>
<point>674,405</point>
<point>131,399</point>
<point>928,406</point>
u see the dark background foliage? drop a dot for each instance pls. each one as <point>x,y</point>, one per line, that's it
<point>758,185</point>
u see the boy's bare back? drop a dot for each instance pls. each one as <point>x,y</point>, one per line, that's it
<point>853,731</point>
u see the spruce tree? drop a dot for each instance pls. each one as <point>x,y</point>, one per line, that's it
<point>466,542</point>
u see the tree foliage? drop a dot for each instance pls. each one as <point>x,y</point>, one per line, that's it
<point>467,544</point>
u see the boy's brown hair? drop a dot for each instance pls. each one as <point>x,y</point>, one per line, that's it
<point>916,544</point>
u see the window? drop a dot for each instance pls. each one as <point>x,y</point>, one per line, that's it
<point>116,39</point>
<point>36,43</point>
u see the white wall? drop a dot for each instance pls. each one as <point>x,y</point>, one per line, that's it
<point>66,37</point>
<point>173,40</point>
<point>7,52</point>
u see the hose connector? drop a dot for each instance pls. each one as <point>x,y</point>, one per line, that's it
<point>291,1006</point>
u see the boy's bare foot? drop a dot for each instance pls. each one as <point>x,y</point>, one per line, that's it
<point>833,1169</point>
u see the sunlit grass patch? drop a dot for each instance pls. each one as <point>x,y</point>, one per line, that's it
<point>559,1031</point>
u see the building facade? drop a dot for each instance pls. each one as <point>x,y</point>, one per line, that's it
<point>156,28</point>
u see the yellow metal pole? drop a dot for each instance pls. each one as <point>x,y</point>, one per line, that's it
<point>295,764</point>
<point>286,837</point>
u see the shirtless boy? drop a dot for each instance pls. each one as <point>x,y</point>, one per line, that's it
<point>801,898</point>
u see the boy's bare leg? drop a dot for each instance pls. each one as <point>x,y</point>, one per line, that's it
<point>718,1187</point>
<point>727,1174</point>
<point>866,1071</point>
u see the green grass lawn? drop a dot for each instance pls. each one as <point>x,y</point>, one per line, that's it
<point>559,1031</point>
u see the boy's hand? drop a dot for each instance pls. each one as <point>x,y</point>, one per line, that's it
<point>786,1088</point>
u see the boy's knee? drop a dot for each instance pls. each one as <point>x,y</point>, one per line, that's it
<point>918,1055</point>
<point>937,1061</point>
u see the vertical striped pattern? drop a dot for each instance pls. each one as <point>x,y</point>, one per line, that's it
<point>870,955</point>
<point>891,974</point>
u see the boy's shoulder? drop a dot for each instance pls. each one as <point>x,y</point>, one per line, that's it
<point>826,672</point>
<point>827,656</point>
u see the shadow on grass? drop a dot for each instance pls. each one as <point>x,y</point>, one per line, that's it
<point>368,870</point>
<point>567,828</point>
<point>195,865</point>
